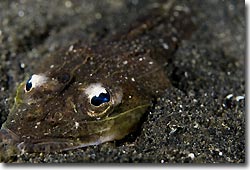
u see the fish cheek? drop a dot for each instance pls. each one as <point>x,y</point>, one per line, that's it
<point>133,96</point>
<point>56,111</point>
<point>82,106</point>
<point>54,118</point>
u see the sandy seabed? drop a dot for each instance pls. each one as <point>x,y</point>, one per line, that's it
<point>201,119</point>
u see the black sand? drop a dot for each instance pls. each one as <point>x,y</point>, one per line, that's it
<point>200,120</point>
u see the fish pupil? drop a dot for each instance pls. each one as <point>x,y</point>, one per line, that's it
<point>28,85</point>
<point>102,98</point>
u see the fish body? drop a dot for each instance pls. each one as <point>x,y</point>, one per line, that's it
<point>89,94</point>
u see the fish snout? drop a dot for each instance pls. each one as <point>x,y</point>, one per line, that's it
<point>8,137</point>
<point>8,141</point>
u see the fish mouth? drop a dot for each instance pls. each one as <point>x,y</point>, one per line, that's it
<point>46,147</point>
<point>8,137</point>
<point>58,145</point>
<point>9,141</point>
<point>109,132</point>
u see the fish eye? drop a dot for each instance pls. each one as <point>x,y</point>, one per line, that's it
<point>100,99</point>
<point>97,94</point>
<point>34,81</point>
<point>28,85</point>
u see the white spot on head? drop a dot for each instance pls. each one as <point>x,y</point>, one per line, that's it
<point>95,90</point>
<point>76,125</point>
<point>37,80</point>
<point>133,79</point>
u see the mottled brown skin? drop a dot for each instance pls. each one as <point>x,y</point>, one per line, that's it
<point>53,116</point>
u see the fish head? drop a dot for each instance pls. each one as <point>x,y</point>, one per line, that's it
<point>74,105</point>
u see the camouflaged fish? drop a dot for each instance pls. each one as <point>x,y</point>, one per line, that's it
<point>89,94</point>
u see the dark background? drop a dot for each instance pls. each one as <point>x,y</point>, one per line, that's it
<point>195,121</point>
